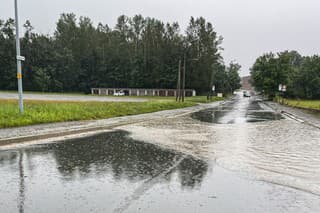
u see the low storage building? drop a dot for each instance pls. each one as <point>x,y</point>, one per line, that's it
<point>141,92</point>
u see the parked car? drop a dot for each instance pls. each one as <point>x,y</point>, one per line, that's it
<point>119,93</point>
<point>246,94</point>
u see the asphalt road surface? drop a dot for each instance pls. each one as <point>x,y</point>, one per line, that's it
<point>241,156</point>
<point>66,97</point>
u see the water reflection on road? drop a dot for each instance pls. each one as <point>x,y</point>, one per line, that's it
<point>237,110</point>
<point>113,173</point>
<point>110,159</point>
<point>123,158</point>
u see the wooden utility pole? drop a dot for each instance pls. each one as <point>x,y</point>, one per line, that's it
<point>184,77</point>
<point>178,82</point>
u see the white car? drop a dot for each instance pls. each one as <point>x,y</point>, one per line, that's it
<point>119,93</point>
<point>246,94</point>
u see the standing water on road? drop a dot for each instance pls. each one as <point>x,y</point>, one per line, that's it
<point>237,110</point>
<point>113,173</point>
<point>174,164</point>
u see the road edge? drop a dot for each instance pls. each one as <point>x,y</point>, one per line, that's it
<point>95,126</point>
<point>285,110</point>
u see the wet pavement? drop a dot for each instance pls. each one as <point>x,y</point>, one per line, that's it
<point>239,157</point>
<point>238,110</point>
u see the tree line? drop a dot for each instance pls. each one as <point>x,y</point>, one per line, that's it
<point>138,52</point>
<point>301,74</point>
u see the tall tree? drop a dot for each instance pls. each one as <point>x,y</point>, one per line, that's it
<point>233,76</point>
<point>138,52</point>
<point>202,44</point>
<point>300,74</point>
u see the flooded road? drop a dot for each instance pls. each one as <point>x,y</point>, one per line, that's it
<point>238,157</point>
<point>238,110</point>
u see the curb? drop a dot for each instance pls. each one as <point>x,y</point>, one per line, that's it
<point>299,119</point>
<point>291,115</point>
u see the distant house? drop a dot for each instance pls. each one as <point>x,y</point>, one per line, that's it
<point>141,92</point>
<point>245,83</point>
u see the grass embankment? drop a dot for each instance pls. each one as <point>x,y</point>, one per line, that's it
<point>202,99</point>
<point>303,104</point>
<point>37,112</point>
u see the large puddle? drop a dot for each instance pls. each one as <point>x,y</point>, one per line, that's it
<point>237,110</point>
<point>113,173</point>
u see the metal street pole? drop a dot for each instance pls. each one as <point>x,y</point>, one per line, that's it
<point>19,58</point>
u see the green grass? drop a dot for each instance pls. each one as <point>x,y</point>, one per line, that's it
<point>202,99</point>
<point>37,112</point>
<point>305,104</point>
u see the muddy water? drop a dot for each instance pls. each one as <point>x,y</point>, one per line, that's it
<point>278,150</point>
<point>238,161</point>
<point>113,173</point>
<point>245,136</point>
<point>238,110</point>
<point>99,174</point>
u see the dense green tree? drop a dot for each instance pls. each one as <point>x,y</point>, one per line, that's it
<point>233,76</point>
<point>300,74</point>
<point>138,52</point>
<point>7,55</point>
<point>267,73</point>
<point>308,79</point>
<point>220,79</point>
<point>202,46</point>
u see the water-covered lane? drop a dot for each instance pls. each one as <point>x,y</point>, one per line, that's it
<point>113,173</point>
<point>238,110</point>
<point>254,138</point>
<point>173,164</point>
<point>41,178</point>
<point>276,150</point>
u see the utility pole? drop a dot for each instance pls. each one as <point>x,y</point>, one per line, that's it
<point>178,82</point>
<point>19,58</point>
<point>184,77</point>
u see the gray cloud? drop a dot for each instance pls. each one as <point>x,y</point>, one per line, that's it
<point>249,27</point>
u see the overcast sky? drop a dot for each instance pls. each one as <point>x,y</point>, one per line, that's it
<point>249,27</point>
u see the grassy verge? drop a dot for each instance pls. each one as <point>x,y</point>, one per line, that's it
<point>203,99</point>
<point>305,104</point>
<point>37,112</point>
